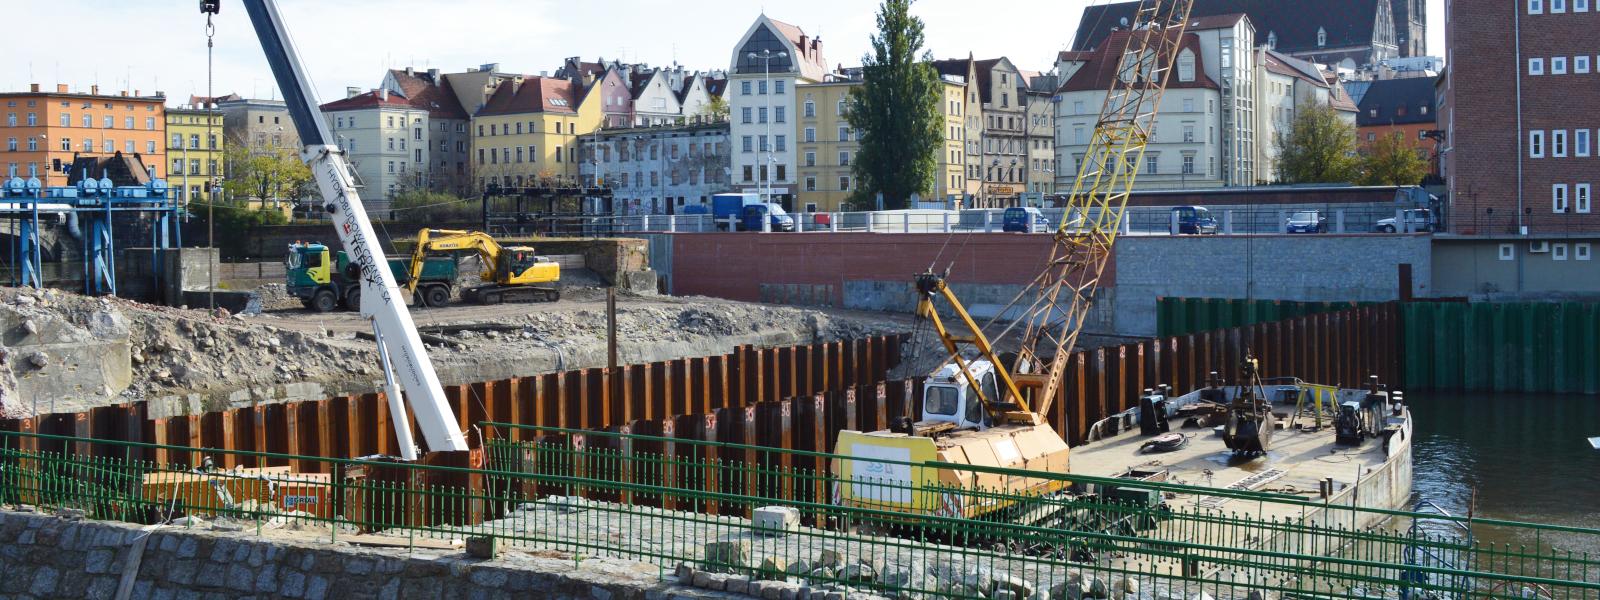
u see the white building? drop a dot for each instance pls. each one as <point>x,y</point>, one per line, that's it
<point>768,62</point>
<point>658,170</point>
<point>1284,85</point>
<point>386,140</point>
<point>1205,133</point>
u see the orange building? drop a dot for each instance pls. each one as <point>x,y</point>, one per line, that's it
<point>1401,107</point>
<point>44,130</point>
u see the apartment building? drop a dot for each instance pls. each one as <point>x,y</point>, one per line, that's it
<point>385,139</point>
<point>527,132</point>
<point>1284,86</point>
<point>449,138</point>
<point>770,60</point>
<point>658,170</point>
<point>45,131</point>
<point>195,152</point>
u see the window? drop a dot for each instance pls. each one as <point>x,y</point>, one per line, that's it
<point>1558,143</point>
<point>1535,66</point>
<point>1079,136</point>
<point>11,119</point>
<point>108,146</point>
<point>778,115</point>
<point>844,158</point>
<point>1186,67</point>
<point>1188,133</point>
<point>1581,251</point>
<point>1558,65</point>
<point>88,120</point>
<point>811,184</point>
<point>744,90</point>
<point>1535,7</point>
<point>1150,165</point>
<point>194,166</point>
<point>33,145</point>
<point>1558,6</point>
<point>1580,6</point>
<point>811,134</point>
<point>1580,64</point>
<point>748,143</point>
<point>1188,105</point>
<point>1558,252</point>
<point>177,166</point>
<point>844,183</point>
<point>777,87</point>
<point>761,87</point>
<point>391,166</point>
<point>1558,198</point>
<point>150,123</point>
<point>762,140</point>
<point>811,109</point>
<point>11,144</point>
<point>749,173</point>
<point>844,133</point>
<point>1077,107</point>
<point>1322,37</point>
<point>66,144</point>
<point>1536,144</point>
<point>1188,165</point>
<point>762,115</point>
<point>1580,142</point>
<point>66,119</point>
<point>744,114</point>
<point>1581,198</point>
<point>1508,251</point>
<point>109,122</point>
<point>782,142</point>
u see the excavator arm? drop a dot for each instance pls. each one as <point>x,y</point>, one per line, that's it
<point>444,240</point>
<point>406,366</point>
<point>1012,408</point>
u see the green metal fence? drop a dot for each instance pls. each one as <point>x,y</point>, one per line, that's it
<point>669,501</point>
<point>1183,316</point>
<point>1503,347</point>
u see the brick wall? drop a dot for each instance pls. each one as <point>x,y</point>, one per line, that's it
<point>1485,75</point>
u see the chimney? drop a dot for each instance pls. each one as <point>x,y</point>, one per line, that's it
<point>410,71</point>
<point>136,93</point>
<point>94,89</point>
<point>351,92</point>
<point>61,88</point>
<point>383,94</point>
<point>124,93</point>
<point>33,87</point>
<point>434,75</point>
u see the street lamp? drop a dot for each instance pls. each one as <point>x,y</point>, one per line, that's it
<point>766,56</point>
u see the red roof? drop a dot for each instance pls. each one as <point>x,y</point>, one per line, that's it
<point>1101,68</point>
<point>366,101</point>
<point>1069,55</point>
<point>535,95</point>
<point>436,97</point>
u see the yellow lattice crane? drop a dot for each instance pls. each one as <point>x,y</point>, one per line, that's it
<point>988,412</point>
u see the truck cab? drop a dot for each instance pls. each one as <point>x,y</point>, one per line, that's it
<point>948,397</point>
<point>769,213</point>
<point>307,269</point>
<point>522,266</point>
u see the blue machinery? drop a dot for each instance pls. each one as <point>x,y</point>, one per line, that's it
<point>92,207</point>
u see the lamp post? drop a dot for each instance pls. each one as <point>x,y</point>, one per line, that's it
<point>766,57</point>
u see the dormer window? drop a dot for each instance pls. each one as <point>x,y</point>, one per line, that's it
<point>1186,66</point>
<point>1322,37</point>
<point>1272,40</point>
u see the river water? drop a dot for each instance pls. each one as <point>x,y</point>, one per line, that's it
<point>1519,457</point>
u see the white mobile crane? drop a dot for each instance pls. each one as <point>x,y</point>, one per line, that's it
<point>404,359</point>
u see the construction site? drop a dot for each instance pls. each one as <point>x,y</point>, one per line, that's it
<point>1082,412</point>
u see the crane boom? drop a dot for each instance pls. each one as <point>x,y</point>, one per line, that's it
<point>400,347</point>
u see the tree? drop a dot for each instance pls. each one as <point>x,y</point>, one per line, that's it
<point>1320,148</point>
<point>715,111</point>
<point>1388,160</point>
<point>896,111</point>
<point>265,174</point>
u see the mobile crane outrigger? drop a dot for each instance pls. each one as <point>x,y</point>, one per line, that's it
<point>405,362</point>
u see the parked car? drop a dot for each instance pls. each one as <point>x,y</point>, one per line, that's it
<point>770,213</point>
<point>1195,220</point>
<point>1024,219</point>
<point>1419,219</point>
<point>1306,221</point>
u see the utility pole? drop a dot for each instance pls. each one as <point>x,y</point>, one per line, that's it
<point>766,178</point>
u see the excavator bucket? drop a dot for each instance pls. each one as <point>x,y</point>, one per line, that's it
<point>1249,434</point>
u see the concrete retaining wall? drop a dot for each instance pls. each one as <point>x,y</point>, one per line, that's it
<point>49,557</point>
<point>1307,268</point>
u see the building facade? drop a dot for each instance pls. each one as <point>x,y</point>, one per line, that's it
<point>1400,107</point>
<point>385,139</point>
<point>658,170</point>
<point>770,60</point>
<point>1519,157</point>
<point>1345,33</point>
<point>45,131</point>
<point>195,152</point>
<point>965,70</point>
<point>527,133</point>
<point>260,125</point>
<point>1005,132</point>
<point>827,146</point>
<point>1284,86</point>
<point>448,134</point>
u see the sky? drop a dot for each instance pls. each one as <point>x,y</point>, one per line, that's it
<point>351,42</point>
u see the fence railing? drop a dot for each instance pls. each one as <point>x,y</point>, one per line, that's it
<point>670,501</point>
<point>1136,221</point>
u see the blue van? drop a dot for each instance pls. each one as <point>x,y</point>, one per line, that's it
<point>1024,219</point>
<point>1195,220</point>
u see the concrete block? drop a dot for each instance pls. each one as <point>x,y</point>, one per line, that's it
<point>727,556</point>
<point>775,520</point>
<point>483,547</point>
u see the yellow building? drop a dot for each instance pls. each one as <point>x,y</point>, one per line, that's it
<point>194,151</point>
<point>528,131</point>
<point>828,145</point>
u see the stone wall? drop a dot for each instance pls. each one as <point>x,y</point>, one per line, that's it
<point>45,556</point>
<point>1306,268</point>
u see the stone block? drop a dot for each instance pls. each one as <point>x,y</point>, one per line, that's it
<point>98,561</point>
<point>773,567</point>
<point>775,520</point>
<point>483,547</point>
<point>489,578</point>
<point>737,585</point>
<point>182,572</point>
<point>830,558</point>
<point>241,578</point>
<point>44,582</point>
<point>316,587</point>
<point>102,587</point>
<point>267,579</point>
<point>727,556</point>
<point>293,584</point>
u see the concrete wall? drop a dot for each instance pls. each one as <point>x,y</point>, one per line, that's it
<point>48,557</point>
<point>1303,268</point>
<point>1472,267</point>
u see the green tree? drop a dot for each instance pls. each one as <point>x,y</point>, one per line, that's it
<point>1388,160</point>
<point>896,111</point>
<point>1320,148</point>
<point>422,206</point>
<point>271,174</point>
<point>716,110</point>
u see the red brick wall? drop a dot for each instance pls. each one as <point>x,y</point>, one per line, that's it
<point>735,266</point>
<point>1482,93</point>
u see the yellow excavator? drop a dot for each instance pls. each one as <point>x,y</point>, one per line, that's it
<point>978,409</point>
<point>510,273</point>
